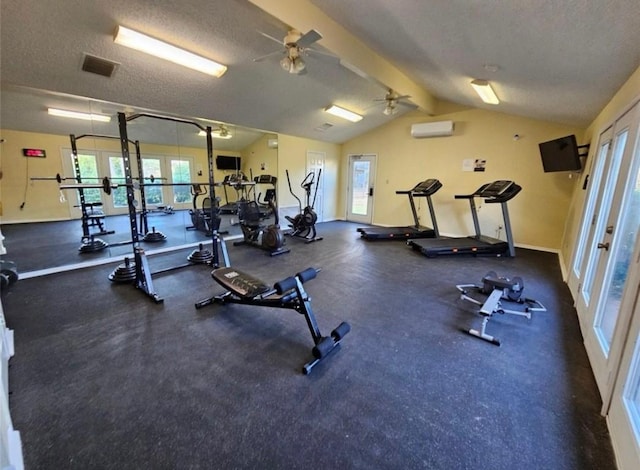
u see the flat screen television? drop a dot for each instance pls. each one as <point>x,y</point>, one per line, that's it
<point>227,163</point>
<point>560,154</point>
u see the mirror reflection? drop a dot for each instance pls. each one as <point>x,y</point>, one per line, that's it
<point>49,224</point>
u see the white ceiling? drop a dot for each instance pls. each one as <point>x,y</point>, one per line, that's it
<point>556,60</point>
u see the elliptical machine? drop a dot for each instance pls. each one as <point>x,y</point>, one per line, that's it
<point>203,218</point>
<point>270,237</point>
<point>303,225</point>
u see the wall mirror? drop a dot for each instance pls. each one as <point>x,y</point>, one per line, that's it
<point>173,155</point>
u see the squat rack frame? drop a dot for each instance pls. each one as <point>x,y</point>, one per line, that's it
<point>143,280</point>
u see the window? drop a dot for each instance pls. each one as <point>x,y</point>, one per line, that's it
<point>181,173</point>
<point>152,194</point>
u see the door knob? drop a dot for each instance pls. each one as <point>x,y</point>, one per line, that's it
<point>603,245</point>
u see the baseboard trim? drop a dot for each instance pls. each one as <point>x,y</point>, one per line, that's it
<point>33,221</point>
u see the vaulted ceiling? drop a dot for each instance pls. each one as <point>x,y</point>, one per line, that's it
<point>552,60</point>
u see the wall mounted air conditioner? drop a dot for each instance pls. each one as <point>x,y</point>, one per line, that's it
<point>432,129</point>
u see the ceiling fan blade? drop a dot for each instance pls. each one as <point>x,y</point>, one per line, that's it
<point>271,54</point>
<point>309,38</point>
<point>279,41</point>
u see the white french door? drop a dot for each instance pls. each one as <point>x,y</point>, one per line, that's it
<point>180,170</point>
<point>604,259</point>
<point>315,163</point>
<point>624,413</point>
<point>152,168</point>
<point>88,163</point>
<point>585,249</point>
<point>362,174</point>
<point>117,203</point>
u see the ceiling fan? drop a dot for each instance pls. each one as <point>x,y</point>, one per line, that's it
<point>222,132</point>
<point>295,44</point>
<point>392,99</point>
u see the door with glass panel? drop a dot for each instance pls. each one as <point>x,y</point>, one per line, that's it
<point>180,195</point>
<point>603,177</point>
<point>362,173</point>
<point>616,223</point>
<point>624,414</point>
<point>315,163</point>
<point>90,172</point>
<point>117,203</point>
<point>153,195</point>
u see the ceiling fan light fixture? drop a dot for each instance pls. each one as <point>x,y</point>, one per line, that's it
<point>343,113</point>
<point>141,42</point>
<point>78,115</point>
<point>293,65</point>
<point>484,90</point>
<point>390,110</point>
<point>217,134</point>
<point>286,63</point>
<point>298,65</point>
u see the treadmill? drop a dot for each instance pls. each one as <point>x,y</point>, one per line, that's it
<point>497,192</point>
<point>423,189</point>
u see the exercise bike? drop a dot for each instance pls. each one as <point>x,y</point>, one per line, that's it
<point>303,225</point>
<point>498,290</point>
<point>270,237</point>
<point>289,293</point>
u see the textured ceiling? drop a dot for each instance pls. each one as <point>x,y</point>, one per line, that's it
<point>556,60</point>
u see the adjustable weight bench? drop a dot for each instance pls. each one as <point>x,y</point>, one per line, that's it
<point>289,293</point>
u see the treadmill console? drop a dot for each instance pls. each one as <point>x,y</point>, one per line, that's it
<point>496,188</point>
<point>427,187</point>
<point>423,189</point>
<point>265,179</point>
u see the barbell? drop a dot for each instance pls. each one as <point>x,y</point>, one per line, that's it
<point>60,179</point>
<point>107,186</point>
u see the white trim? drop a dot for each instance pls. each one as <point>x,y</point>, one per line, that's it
<point>563,269</point>
<point>35,221</point>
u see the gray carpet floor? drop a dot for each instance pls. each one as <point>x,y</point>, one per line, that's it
<point>104,378</point>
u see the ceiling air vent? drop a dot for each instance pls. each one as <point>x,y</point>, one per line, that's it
<point>324,127</point>
<point>99,66</point>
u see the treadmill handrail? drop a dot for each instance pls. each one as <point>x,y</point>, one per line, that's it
<point>476,193</point>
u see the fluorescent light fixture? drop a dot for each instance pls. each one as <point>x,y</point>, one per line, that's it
<point>216,134</point>
<point>483,88</point>
<point>78,115</point>
<point>343,113</point>
<point>141,42</point>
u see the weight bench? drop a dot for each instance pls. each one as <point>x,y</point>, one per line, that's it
<point>289,293</point>
<point>498,289</point>
<point>93,216</point>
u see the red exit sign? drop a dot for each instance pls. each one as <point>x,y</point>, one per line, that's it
<point>34,153</point>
